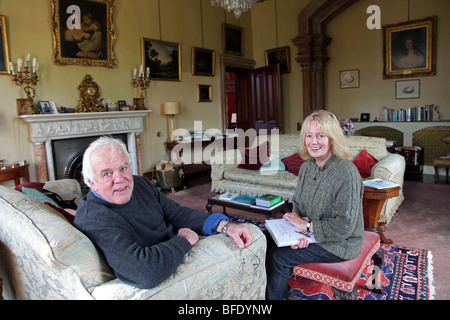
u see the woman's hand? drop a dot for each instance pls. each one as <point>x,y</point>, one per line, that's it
<point>300,223</point>
<point>295,219</point>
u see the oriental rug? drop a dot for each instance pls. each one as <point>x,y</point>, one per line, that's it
<point>407,274</point>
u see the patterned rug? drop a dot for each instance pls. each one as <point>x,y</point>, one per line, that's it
<point>407,274</point>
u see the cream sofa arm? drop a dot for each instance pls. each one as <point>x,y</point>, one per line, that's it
<point>222,161</point>
<point>391,167</point>
<point>214,269</point>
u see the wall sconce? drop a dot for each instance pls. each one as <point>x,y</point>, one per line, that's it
<point>171,109</point>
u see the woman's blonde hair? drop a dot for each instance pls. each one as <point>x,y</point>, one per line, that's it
<point>329,125</point>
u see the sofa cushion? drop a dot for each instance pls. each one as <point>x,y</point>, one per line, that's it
<point>254,177</point>
<point>293,163</point>
<point>253,158</point>
<point>375,146</point>
<point>39,196</point>
<point>52,232</point>
<point>364,162</point>
<point>273,165</point>
<point>39,186</point>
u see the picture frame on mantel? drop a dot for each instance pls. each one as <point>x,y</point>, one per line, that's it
<point>85,35</point>
<point>233,39</point>
<point>4,56</point>
<point>409,49</point>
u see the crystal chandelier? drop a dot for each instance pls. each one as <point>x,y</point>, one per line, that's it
<point>235,6</point>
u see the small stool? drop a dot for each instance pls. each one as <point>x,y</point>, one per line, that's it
<point>342,276</point>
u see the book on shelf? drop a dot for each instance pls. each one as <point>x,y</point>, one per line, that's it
<point>378,183</point>
<point>285,234</point>
<point>267,200</point>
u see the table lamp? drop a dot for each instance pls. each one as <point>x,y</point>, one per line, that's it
<point>171,109</point>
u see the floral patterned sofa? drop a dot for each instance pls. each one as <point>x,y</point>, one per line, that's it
<point>45,257</point>
<point>226,176</point>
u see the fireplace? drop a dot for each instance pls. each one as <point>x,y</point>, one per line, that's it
<point>60,139</point>
<point>68,156</point>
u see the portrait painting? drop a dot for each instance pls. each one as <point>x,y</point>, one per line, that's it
<point>83,32</point>
<point>163,58</point>
<point>409,49</point>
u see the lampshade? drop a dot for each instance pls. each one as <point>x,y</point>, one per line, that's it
<point>171,108</point>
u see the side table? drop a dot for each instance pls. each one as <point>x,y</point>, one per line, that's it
<point>15,174</point>
<point>373,201</point>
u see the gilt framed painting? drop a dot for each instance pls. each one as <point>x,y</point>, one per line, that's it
<point>83,32</point>
<point>409,49</point>
<point>163,58</point>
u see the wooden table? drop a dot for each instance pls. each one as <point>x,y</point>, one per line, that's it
<point>373,201</point>
<point>269,213</point>
<point>15,174</point>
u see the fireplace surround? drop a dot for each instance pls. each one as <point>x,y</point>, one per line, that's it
<point>48,130</point>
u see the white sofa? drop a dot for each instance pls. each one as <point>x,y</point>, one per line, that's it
<point>227,177</point>
<point>45,257</point>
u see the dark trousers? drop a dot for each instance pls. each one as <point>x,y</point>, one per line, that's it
<point>279,262</point>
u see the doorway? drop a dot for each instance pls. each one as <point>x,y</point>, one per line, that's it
<point>250,97</point>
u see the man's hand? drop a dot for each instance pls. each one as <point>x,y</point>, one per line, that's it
<point>240,234</point>
<point>190,235</point>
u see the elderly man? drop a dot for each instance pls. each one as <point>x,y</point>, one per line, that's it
<point>143,235</point>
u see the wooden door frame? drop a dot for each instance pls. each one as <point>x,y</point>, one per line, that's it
<point>230,61</point>
<point>312,43</point>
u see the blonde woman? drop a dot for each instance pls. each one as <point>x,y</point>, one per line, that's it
<point>327,201</point>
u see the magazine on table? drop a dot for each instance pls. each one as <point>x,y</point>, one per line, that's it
<point>285,234</point>
<point>378,183</point>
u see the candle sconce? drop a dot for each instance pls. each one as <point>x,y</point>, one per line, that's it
<point>24,77</point>
<point>142,82</point>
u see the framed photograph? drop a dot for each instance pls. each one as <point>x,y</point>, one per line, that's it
<point>281,56</point>
<point>85,35</point>
<point>204,93</point>
<point>365,117</point>
<point>139,103</point>
<point>407,89</point>
<point>4,57</point>
<point>349,79</point>
<point>121,104</point>
<point>53,107</point>
<point>203,62</point>
<point>22,106</point>
<point>45,107</point>
<point>233,39</point>
<point>409,49</point>
<point>163,58</point>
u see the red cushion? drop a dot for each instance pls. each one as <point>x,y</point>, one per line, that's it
<point>293,163</point>
<point>66,214</point>
<point>364,162</point>
<point>342,275</point>
<point>253,159</point>
<point>39,186</point>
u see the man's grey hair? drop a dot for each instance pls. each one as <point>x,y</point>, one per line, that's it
<point>103,142</point>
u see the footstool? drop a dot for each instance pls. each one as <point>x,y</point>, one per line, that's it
<point>342,276</point>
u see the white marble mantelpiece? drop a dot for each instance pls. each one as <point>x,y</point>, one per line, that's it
<point>47,127</point>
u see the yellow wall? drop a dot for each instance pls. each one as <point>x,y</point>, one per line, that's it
<point>270,24</point>
<point>354,46</point>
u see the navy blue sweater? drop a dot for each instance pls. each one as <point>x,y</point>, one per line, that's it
<point>139,239</point>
